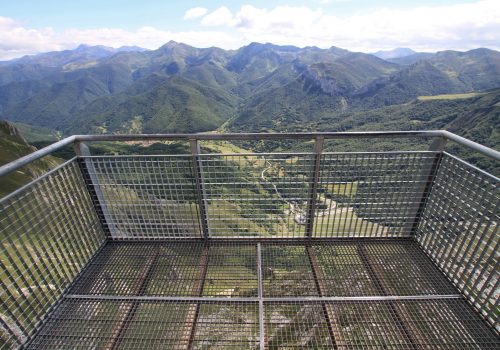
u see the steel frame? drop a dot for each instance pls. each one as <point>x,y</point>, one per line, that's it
<point>468,264</point>
<point>416,335</point>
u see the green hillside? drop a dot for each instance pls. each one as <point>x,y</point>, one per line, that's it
<point>175,105</point>
<point>34,134</point>
<point>13,146</point>
<point>180,88</point>
<point>475,116</point>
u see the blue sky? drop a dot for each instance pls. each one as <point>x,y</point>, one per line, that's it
<point>167,15</point>
<point>32,26</point>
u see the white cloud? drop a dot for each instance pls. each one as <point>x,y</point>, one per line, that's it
<point>430,28</point>
<point>220,17</point>
<point>16,41</point>
<point>195,12</point>
<point>332,1</point>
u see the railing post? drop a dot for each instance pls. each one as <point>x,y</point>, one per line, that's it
<point>200,187</point>
<point>423,190</point>
<point>313,185</point>
<point>92,182</point>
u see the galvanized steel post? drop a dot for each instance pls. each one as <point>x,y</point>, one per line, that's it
<point>313,185</point>
<point>428,174</point>
<point>92,182</point>
<point>200,187</point>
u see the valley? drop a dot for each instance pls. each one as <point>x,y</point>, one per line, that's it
<point>257,88</point>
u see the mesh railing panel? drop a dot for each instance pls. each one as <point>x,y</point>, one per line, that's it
<point>260,195</point>
<point>146,197</point>
<point>257,195</point>
<point>49,231</point>
<point>358,195</point>
<point>459,231</point>
<point>370,194</point>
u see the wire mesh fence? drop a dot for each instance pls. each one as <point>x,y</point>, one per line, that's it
<point>49,231</point>
<point>145,197</point>
<point>371,194</point>
<point>459,231</point>
<point>257,195</point>
<point>260,195</point>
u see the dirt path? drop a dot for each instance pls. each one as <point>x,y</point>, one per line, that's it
<point>299,214</point>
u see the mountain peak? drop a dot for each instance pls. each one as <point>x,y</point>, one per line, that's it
<point>394,53</point>
<point>86,47</point>
<point>174,46</point>
<point>82,47</point>
<point>127,48</point>
<point>8,129</point>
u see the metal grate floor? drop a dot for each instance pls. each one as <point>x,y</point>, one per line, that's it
<point>344,294</point>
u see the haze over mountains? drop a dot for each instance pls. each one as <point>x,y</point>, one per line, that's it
<point>259,87</point>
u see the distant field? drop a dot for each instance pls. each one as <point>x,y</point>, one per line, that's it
<point>450,96</point>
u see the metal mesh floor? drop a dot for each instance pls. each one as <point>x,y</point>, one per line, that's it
<point>345,295</point>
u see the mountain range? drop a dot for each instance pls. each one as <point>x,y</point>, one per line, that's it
<point>259,87</point>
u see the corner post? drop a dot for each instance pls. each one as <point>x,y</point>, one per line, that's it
<point>427,174</point>
<point>200,187</point>
<point>313,185</point>
<point>92,182</point>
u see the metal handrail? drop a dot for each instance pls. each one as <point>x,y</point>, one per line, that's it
<point>259,136</point>
<point>18,163</point>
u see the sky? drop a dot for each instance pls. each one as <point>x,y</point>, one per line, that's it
<point>34,26</point>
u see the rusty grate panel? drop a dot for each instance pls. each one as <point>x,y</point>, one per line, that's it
<point>117,269</point>
<point>89,324</point>
<point>404,267</point>
<point>195,315</point>
<point>444,324</point>
<point>227,325</point>
<point>406,270</point>
<point>231,271</point>
<point>286,271</point>
<point>296,326</point>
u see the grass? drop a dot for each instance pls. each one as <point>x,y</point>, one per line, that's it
<point>348,189</point>
<point>229,281</point>
<point>450,96</point>
<point>223,147</point>
<point>343,222</point>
